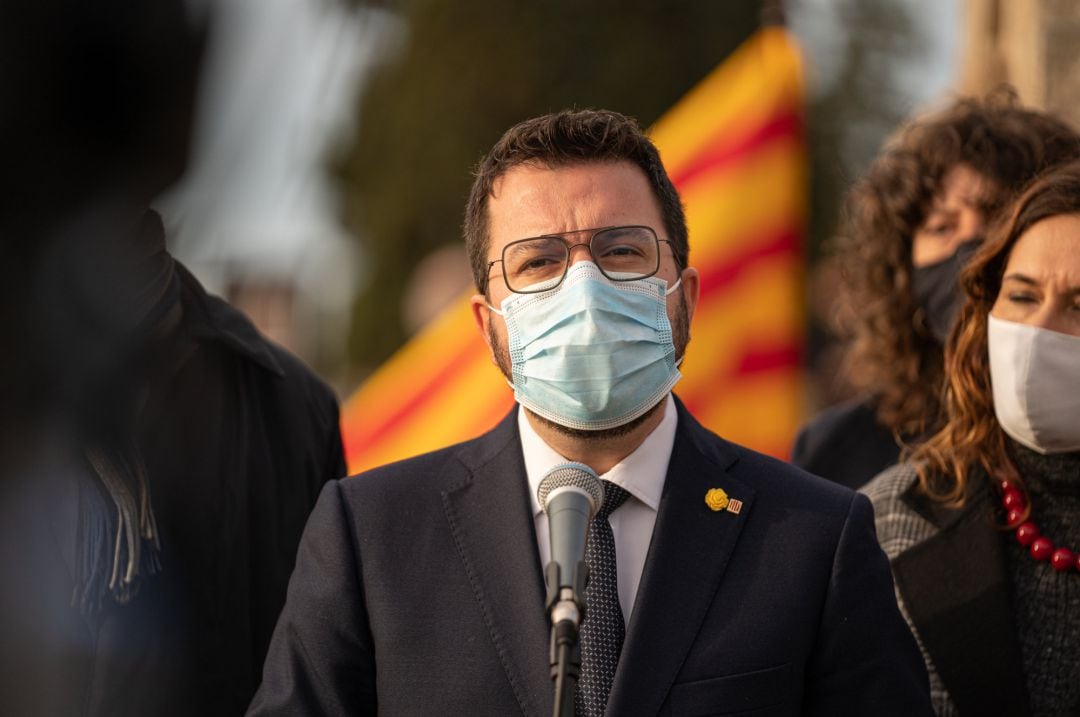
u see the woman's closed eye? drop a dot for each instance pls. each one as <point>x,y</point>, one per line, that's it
<point>1022,297</point>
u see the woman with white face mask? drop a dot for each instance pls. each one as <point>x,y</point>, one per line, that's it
<point>912,222</point>
<point>982,523</point>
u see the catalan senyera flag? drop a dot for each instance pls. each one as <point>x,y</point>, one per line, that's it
<point>734,148</point>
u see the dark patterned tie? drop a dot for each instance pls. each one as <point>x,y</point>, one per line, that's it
<point>602,630</point>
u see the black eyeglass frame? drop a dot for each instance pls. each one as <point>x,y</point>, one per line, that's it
<point>569,248</point>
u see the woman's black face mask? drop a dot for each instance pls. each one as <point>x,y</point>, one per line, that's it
<point>936,289</point>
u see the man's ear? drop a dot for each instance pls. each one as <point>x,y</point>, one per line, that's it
<point>691,289</point>
<point>482,316</point>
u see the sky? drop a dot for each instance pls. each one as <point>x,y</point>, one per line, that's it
<point>925,73</point>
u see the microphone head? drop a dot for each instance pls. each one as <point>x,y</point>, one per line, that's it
<point>571,475</point>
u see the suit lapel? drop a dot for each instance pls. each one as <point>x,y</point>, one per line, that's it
<point>687,557</point>
<point>492,524</point>
<point>956,591</point>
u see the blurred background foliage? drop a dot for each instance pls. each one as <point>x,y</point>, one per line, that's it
<point>863,102</point>
<point>467,71</point>
<point>462,73</point>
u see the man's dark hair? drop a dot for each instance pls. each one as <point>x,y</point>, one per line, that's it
<point>562,139</point>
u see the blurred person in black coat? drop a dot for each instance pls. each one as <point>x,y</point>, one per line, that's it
<point>158,457</point>
<point>913,220</point>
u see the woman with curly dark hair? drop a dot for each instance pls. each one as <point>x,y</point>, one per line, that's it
<point>912,221</point>
<point>981,523</point>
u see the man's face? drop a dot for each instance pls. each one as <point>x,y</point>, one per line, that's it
<point>531,201</point>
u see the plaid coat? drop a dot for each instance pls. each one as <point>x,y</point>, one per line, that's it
<point>953,588</point>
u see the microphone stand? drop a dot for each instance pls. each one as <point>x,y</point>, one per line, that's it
<point>566,610</point>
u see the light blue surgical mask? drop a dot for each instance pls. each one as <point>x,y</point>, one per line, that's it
<point>591,353</point>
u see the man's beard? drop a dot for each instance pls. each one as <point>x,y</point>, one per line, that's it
<point>680,337</point>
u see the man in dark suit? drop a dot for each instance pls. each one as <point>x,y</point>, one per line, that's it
<point>736,583</point>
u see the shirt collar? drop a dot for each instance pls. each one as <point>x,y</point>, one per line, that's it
<point>642,473</point>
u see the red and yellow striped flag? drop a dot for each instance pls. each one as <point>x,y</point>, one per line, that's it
<point>734,149</point>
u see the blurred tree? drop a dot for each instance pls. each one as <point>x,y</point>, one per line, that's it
<point>867,100</point>
<point>468,71</point>
<point>864,103</point>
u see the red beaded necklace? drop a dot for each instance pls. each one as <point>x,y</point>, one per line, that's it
<point>1027,533</point>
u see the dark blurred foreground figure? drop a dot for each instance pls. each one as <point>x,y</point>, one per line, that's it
<point>158,457</point>
<point>982,525</point>
<point>722,580</point>
<point>148,558</point>
<point>912,222</point>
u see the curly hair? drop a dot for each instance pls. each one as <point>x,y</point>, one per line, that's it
<point>971,437</point>
<point>560,139</point>
<point>893,357</point>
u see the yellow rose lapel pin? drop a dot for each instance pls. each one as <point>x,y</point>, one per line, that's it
<point>717,499</point>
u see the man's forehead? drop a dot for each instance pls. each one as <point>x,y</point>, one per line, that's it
<point>532,199</point>
<point>535,174</point>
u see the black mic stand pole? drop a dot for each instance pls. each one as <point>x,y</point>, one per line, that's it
<point>566,610</point>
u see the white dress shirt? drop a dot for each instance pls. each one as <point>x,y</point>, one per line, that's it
<point>641,474</point>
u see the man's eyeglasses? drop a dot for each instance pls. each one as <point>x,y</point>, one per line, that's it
<point>540,263</point>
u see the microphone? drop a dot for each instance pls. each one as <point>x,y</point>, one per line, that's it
<point>570,494</point>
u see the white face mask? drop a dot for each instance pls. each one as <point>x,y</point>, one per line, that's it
<point>1035,374</point>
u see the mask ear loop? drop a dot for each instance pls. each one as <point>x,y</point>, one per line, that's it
<point>669,292</point>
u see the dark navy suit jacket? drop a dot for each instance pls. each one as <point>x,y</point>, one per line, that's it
<point>418,590</point>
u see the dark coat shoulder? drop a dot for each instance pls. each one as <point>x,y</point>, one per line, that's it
<point>846,444</point>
